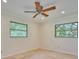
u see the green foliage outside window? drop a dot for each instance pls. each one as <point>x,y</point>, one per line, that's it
<point>18,29</point>
<point>67,30</point>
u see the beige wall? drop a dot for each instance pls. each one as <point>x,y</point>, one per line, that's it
<point>65,45</point>
<point>12,46</point>
<point>39,36</point>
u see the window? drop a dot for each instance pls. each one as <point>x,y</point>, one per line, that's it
<point>18,29</point>
<point>67,30</point>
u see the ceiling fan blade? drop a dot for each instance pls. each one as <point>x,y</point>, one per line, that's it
<point>30,11</point>
<point>45,14</point>
<point>50,8</point>
<point>37,4</point>
<point>35,15</point>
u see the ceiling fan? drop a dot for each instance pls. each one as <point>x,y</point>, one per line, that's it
<point>40,10</point>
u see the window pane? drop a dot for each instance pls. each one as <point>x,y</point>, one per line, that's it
<point>68,26</point>
<point>59,27</point>
<point>74,26</point>
<point>18,26</point>
<point>61,33</point>
<point>75,33</point>
<point>69,33</point>
<point>18,33</point>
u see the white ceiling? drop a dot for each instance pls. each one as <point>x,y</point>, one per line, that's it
<point>19,6</point>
